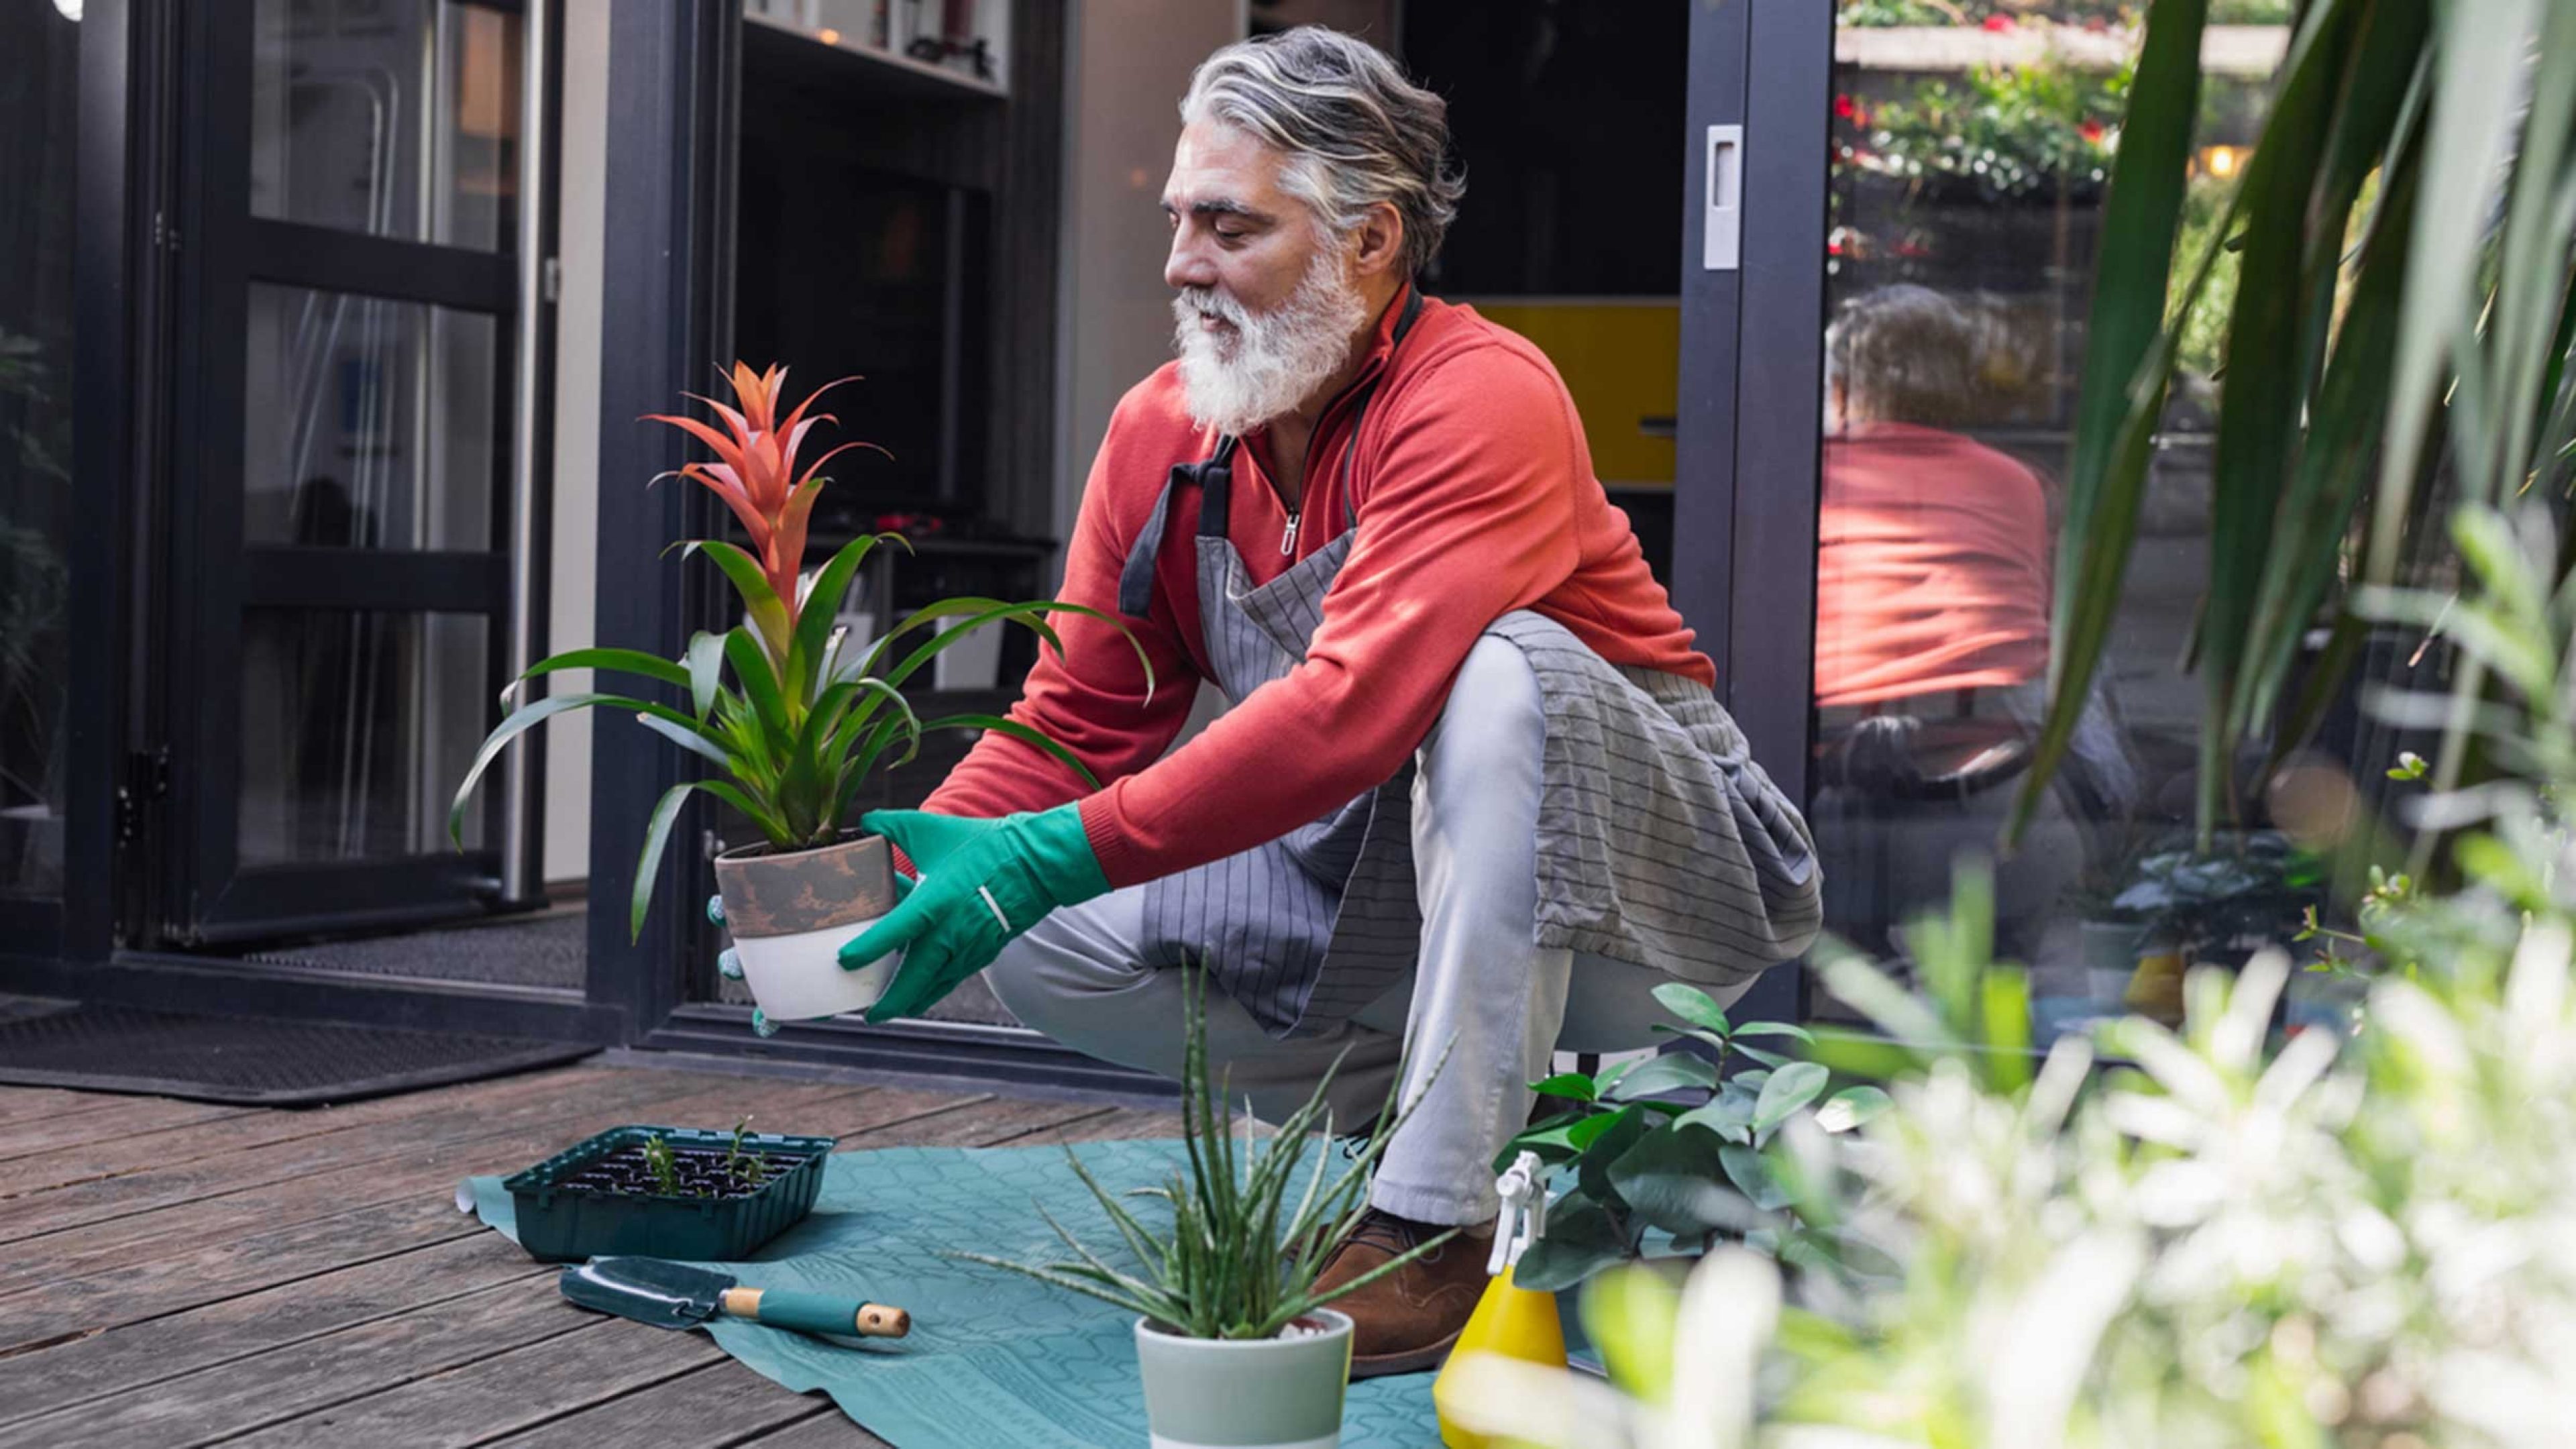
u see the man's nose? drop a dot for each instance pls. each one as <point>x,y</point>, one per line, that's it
<point>1189,265</point>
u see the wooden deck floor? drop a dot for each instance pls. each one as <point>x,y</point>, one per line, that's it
<point>180,1274</point>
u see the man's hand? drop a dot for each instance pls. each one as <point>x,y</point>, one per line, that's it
<point>982,882</point>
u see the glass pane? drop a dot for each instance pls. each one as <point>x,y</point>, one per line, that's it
<point>1971,146</point>
<point>1562,115</point>
<point>356,730</point>
<point>370,424</point>
<point>396,118</point>
<point>39,54</point>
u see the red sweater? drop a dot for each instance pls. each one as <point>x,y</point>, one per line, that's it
<point>1931,567</point>
<point>1475,496</point>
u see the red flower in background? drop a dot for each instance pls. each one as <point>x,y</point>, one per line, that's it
<point>1845,108</point>
<point>2000,22</point>
<point>2091,131</point>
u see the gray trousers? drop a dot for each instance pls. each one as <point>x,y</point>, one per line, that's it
<point>1503,1004</point>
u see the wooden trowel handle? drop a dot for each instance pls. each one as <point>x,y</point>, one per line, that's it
<point>817,1313</point>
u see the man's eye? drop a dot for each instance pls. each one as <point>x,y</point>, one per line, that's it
<point>1236,235</point>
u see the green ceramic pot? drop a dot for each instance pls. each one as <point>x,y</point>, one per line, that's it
<point>1272,1393</point>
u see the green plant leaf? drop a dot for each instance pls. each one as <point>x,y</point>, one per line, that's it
<point>519,722</point>
<point>1574,1086</point>
<point>630,661</point>
<point>657,835</point>
<point>1670,1179</point>
<point>1692,1005</point>
<point>1851,1107</point>
<point>1671,1072</point>
<point>1629,1315</point>
<point>760,603</point>
<point>705,670</point>
<point>1618,1132</point>
<point>1018,731</point>
<point>1751,1174</point>
<point>751,667</point>
<point>2128,356</point>
<point>822,609</point>
<point>1580,1241</point>
<point>1730,1116</point>
<point>1789,1089</point>
<point>1776,1028</point>
<point>1553,1140</point>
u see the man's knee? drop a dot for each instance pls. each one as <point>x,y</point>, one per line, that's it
<point>1495,714</point>
<point>1063,972</point>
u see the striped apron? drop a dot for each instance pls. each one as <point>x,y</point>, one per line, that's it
<point>1660,842</point>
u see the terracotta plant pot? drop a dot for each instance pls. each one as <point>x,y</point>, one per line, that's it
<point>791,913</point>
<point>1272,1393</point>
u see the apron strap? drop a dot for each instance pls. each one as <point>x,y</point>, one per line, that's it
<point>1213,474</point>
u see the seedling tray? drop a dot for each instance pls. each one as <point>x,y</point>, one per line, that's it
<point>597,1197</point>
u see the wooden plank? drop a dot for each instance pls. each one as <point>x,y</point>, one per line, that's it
<point>992,1123</point>
<point>230,1137</point>
<point>717,1404</point>
<point>408,1207</point>
<point>17,1104</point>
<point>556,1383</point>
<point>519,1389</point>
<point>470,1118</point>
<point>100,1365</point>
<point>331,1186</point>
<point>831,1430</point>
<point>132,1115</point>
<point>1118,1126</point>
<point>144,1353</point>
<point>311,1377</point>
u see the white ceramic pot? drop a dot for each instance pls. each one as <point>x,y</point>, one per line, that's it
<point>1271,1393</point>
<point>791,913</point>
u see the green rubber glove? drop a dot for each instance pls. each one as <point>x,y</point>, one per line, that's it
<point>982,883</point>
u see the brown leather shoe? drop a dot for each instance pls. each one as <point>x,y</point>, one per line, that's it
<point>1407,1320</point>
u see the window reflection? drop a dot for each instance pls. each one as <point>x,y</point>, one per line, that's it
<point>1972,146</point>
<point>39,51</point>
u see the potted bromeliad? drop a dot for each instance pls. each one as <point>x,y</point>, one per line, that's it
<point>791,727</point>
<point>1234,1341</point>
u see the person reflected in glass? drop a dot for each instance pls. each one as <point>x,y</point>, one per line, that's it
<point>1932,628</point>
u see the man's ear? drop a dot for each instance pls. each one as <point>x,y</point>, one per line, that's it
<point>1381,241</point>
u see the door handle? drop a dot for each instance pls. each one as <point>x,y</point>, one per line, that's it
<point>1723,186</point>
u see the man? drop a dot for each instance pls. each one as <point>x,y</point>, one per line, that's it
<point>1474,791</point>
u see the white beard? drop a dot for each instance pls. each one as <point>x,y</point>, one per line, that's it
<point>1271,361</point>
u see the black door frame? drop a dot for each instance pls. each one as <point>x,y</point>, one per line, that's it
<point>127,217</point>
<point>214,576</point>
<point>1752,376</point>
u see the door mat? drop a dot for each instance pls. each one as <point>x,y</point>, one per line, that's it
<point>550,950</point>
<point>250,1060</point>
<point>993,1358</point>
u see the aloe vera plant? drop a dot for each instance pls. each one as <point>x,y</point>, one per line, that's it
<point>1245,1244</point>
<point>792,727</point>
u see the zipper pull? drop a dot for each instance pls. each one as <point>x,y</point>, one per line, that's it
<point>1288,540</point>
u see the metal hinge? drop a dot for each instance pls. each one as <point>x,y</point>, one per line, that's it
<point>165,236</point>
<point>147,780</point>
<point>552,285</point>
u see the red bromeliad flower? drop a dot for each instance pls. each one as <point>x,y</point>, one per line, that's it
<point>757,476</point>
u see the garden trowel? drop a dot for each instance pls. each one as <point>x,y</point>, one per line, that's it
<point>674,1295</point>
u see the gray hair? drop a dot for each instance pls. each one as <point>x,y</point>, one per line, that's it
<point>1354,130</point>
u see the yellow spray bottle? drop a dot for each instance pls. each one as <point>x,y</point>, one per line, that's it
<point>1511,1321</point>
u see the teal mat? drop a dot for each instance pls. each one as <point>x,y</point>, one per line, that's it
<point>993,1358</point>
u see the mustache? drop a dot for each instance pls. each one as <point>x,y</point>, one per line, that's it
<point>1212,302</point>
